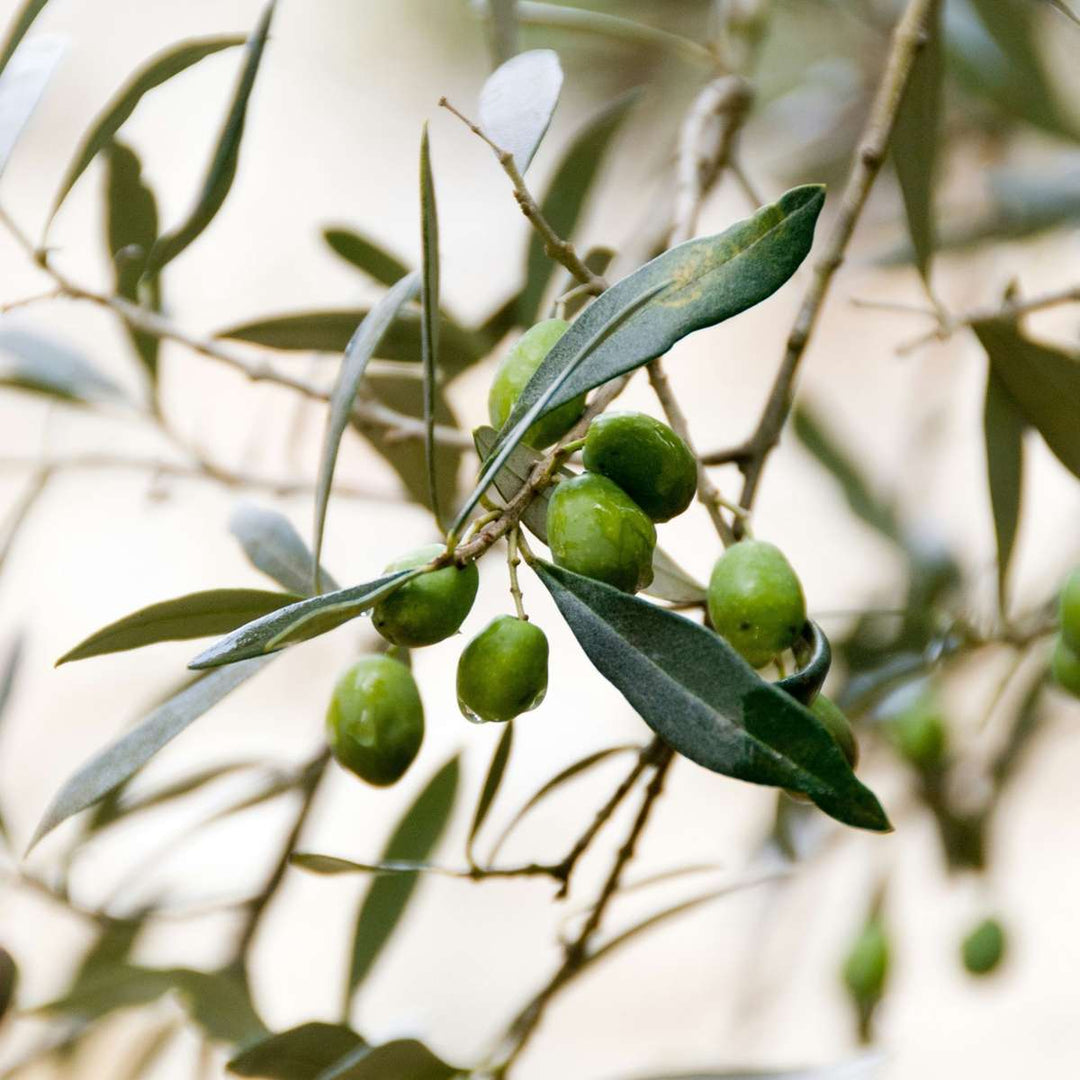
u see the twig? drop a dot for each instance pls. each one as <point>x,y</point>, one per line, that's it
<point>909,37</point>
<point>562,251</point>
<point>513,561</point>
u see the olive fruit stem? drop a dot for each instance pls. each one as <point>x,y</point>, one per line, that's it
<point>513,561</point>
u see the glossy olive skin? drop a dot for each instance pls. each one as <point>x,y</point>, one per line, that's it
<point>430,607</point>
<point>646,459</point>
<point>866,968</point>
<point>375,722</point>
<point>838,726</point>
<point>1065,667</point>
<point>920,733</point>
<point>982,950</point>
<point>514,372</point>
<point>503,671</point>
<point>1069,611</point>
<point>756,601</point>
<point>594,528</point>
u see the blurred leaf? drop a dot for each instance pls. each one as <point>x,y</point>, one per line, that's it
<point>30,362</point>
<point>159,69</point>
<point>361,348</point>
<point>406,456</point>
<point>402,1059</point>
<point>520,420</point>
<point>9,978</point>
<point>858,1069</point>
<point>300,621</point>
<point>670,582</point>
<point>201,614</point>
<point>273,546</point>
<point>414,839</point>
<point>1043,383</point>
<point>222,170</point>
<point>1003,429</point>
<point>556,782</point>
<point>132,224</point>
<point>22,22</point>
<point>23,81</point>
<point>139,1066</point>
<point>365,255</point>
<point>566,197</point>
<point>332,865</point>
<point>123,758</point>
<point>492,783</point>
<point>701,283</point>
<point>301,1053</point>
<point>429,315</point>
<point>705,701</point>
<point>502,17</point>
<point>1064,9</point>
<point>1026,724</point>
<point>517,103</point>
<point>914,144</point>
<point>865,505</point>
<point>119,986</point>
<point>8,673</point>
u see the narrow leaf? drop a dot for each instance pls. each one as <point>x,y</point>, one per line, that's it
<point>123,758</point>
<point>9,978</point>
<point>692,286</point>
<point>276,548</point>
<point>503,23</point>
<point>22,22</point>
<point>201,614</point>
<point>301,1053</point>
<point>300,621</point>
<point>492,782</point>
<point>22,83</point>
<point>705,701</point>
<point>414,839</point>
<point>157,70</point>
<point>43,366</point>
<point>332,866</point>
<point>222,170</point>
<point>672,583</point>
<point>429,312</point>
<point>359,352</point>
<point>1003,430</point>
<point>517,103</point>
<point>366,255</point>
<point>403,1059</point>
<point>1043,383</point>
<point>566,197</point>
<point>915,141</point>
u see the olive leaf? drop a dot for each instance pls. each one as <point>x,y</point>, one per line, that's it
<point>1043,383</point>
<point>402,1059</point>
<point>492,783</point>
<point>300,621</point>
<point>9,979</point>
<point>414,839</point>
<point>20,25</point>
<point>518,100</point>
<point>222,170</point>
<point>692,286</point>
<point>200,614</point>
<point>670,581</point>
<point>705,701</point>
<point>158,70</point>
<point>566,196</point>
<point>1003,431</point>
<point>365,254</point>
<point>429,313</point>
<point>22,82</point>
<point>359,352</point>
<point>914,144</point>
<point>273,546</point>
<point>503,26</point>
<point>301,1053</point>
<point>123,758</point>
<point>43,366</point>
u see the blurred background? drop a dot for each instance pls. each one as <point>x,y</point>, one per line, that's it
<point>331,141</point>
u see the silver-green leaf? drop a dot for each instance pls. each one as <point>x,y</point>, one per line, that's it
<point>518,101</point>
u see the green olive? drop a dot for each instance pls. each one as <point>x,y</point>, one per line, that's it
<point>514,372</point>
<point>646,459</point>
<point>1065,667</point>
<point>756,601</point>
<point>866,968</point>
<point>982,950</point>
<point>838,726</point>
<point>427,608</point>
<point>594,528</point>
<point>1069,610</point>
<point>375,722</point>
<point>920,734</point>
<point>503,671</point>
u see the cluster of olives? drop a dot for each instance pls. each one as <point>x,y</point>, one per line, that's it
<point>1065,665</point>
